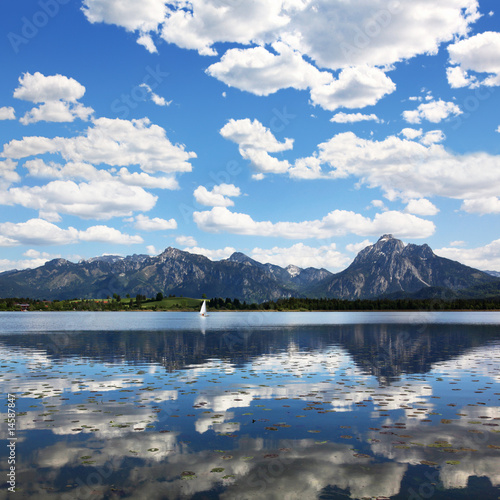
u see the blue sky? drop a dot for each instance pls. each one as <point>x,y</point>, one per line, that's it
<point>295,131</point>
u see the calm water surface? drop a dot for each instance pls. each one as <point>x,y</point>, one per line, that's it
<point>278,406</point>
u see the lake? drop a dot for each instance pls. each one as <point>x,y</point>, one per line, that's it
<point>250,405</point>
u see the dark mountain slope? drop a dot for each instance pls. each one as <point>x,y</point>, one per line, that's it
<point>390,267</point>
<point>386,268</point>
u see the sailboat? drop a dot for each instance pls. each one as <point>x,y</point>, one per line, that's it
<point>203,310</point>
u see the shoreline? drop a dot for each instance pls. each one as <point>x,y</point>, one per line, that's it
<point>267,310</point>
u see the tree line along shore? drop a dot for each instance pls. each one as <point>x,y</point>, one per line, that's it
<point>173,303</point>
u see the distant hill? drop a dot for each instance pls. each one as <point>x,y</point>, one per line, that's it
<point>389,267</point>
<point>493,273</point>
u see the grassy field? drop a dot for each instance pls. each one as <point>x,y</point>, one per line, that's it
<point>172,303</point>
<point>167,304</point>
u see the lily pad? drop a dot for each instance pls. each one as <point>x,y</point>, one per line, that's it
<point>427,462</point>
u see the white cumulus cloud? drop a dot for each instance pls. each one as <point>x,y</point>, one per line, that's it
<point>457,78</point>
<point>113,142</point>
<point>200,23</point>
<point>484,205</point>
<point>212,254</point>
<point>307,168</point>
<point>8,174</point>
<point>411,133</point>
<point>357,247</point>
<point>106,234</point>
<point>356,87</point>
<point>87,200</point>
<point>376,32</point>
<point>144,223</point>
<point>307,38</point>
<point>147,181</point>
<point>85,171</point>
<point>71,170</point>
<point>219,196</point>
<point>158,100</point>
<point>34,259</point>
<point>255,143</point>
<point>56,112</point>
<point>143,17</point>
<point>334,35</point>
<point>304,256</point>
<point>477,54</point>
<point>433,111</point>
<point>107,192</point>
<point>42,232</point>
<point>58,96</point>
<point>353,117</point>
<point>261,72</point>
<point>409,170</point>
<point>40,88</point>
<point>7,113</point>
<point>37,232</point>
<point>377,204</point>
<point>336,223</point>
<point>421,206</point>
<point>187,241</point>
<point>432,137</point>
<point>486,257</point>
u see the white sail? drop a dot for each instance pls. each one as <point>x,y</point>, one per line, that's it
<point>203,310</point>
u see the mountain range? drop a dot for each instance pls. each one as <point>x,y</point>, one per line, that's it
<point>389,268</point>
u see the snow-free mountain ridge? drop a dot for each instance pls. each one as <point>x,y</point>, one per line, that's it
<point>387,268</point>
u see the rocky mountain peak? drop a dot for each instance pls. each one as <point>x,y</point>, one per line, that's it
<point>104,258</point>
<point>241,258</point>
<point>384,268</point>
<point>293,270</point>
<point>388,243</point>
<point>170,253</point>
<point>56,263</point>
<point>391,267</point>
<point>421,251</point>
<point>386,237</point>
<point>385,248</point>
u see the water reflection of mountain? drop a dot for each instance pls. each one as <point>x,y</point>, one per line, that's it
<point>383,350</point>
